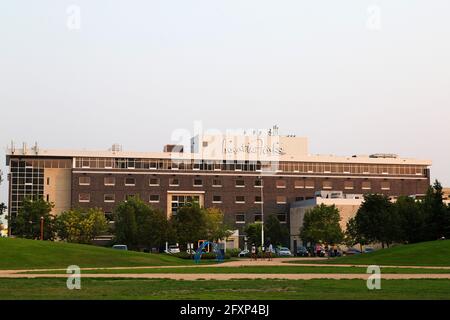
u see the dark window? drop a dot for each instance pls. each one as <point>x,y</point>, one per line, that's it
<point>239,218</point>
<point>174,182</point>
<point>258,183</point>
<point>281,217</point>
<point>198,182</point>
<point>240,183</point>
<point>257,217</point>
<point>217,199</point>
<point>130,181</point>
<point>240,199</point>
<point>154,198</point>
<point>154,181</point>
<point>258,199</point>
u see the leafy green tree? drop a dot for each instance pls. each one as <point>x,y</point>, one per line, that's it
<point>190,224</point>
<point>377,221</point>
<point>352,236</point>
<point>217,229</point>
<point>138,225</point>
<point>321,224</point>
<point>253,232</point>
<point>27,223</point>
<point>275,232</point>
<point>412,219</point>
<point>437,215</point>
<point>81,226</point>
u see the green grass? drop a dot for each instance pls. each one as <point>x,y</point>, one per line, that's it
<point>34,254</point>
<point>55,289</point>
<point>256,269</point>
<point>433,253</point>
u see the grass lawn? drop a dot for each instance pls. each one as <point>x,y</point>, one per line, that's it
<point>34,254</point>
<point>257,269</point>
<point>232,289</point>
<point>433,253</point>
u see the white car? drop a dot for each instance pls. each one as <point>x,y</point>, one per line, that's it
<point>284,252</point>
<point>172,249</point>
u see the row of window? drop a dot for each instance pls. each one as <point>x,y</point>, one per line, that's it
<point>111,197</point>
<point>240,218</point>
<point>233,165</point>
<point>239,183</point>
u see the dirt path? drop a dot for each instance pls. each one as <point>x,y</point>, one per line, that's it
<point>228,276</point>
<point>234,263</point>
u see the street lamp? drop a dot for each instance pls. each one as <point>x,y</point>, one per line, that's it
<point>42,228</point>
<point>262,211</point>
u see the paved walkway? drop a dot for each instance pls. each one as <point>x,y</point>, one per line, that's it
<point>229,276</point>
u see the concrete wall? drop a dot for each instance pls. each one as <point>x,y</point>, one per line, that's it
<point>58,188</point>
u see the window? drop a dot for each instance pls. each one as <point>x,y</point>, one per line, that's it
<point>282,217</point>
<point>299,184</point>
<point>109,217</point>
<point>366,185</point>
<point>179,201</point>
<point>217,199</point>
<point>84,197</point>
<point>108,163</point>
<point>153,165</point>
<point>154,182</point>
<point>309,184</point>
<point>109,198</point>
<point>198,182</point>
<point>385,185</point>
<point>258,199</point>
<point>240,183</point>
<point>48,181</point>
<point>258,183</point>
<point>154,198</point>
<point>257,217</point>
<point>239,218</point>
<point>327,185</point>
<point>349,185</point>
<point>281,184</point>
<point>240,199</point>
<point>109,181</point>
<point>217,183</point>
<point>281,200</point>
<point>174,182</point>
<point>299,198</point>
<point>85,163</point>
<point>84,181</point>
<point>129,181</point>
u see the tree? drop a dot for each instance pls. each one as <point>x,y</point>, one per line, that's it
<point>352,235</point>
<point>377,221</point>
<point>412,220</point>
<point>321,224</point>
<point>27,223</point>
<point>81,226</point>
<point>190,224</point>
<point>436,214</point>
<point>253,232</point>
<point>138,225</point>
<point>215,226</point>
<point>275,232</point>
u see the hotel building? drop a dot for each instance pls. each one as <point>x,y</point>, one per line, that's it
<point>246,176</point>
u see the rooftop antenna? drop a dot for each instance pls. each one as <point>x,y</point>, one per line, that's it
<point>13,147</point>
<point>36,148</point>
<point>24,148</point>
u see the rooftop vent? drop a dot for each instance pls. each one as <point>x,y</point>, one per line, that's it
<point>116,147</point>
<point>384,155</point>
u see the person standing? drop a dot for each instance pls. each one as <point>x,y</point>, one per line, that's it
<point>253,255</point>
<point>269,252</point>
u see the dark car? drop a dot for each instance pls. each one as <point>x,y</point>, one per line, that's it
<point>302,252</point>
<point>369,250</point>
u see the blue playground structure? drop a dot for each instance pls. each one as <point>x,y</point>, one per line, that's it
<point>216,250</point>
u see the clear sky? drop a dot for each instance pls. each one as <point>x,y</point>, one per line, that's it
<point>356,77</point>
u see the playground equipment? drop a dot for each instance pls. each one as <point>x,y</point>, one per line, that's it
<point>216,250</point>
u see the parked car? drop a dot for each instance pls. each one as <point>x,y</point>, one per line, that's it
<point>244,253</point>
<point>369,250</point>
<point>120,247</point>
<point>302,252</point>
<point>284,252</point>
<point>352,251</point>
<point>172,249</point>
